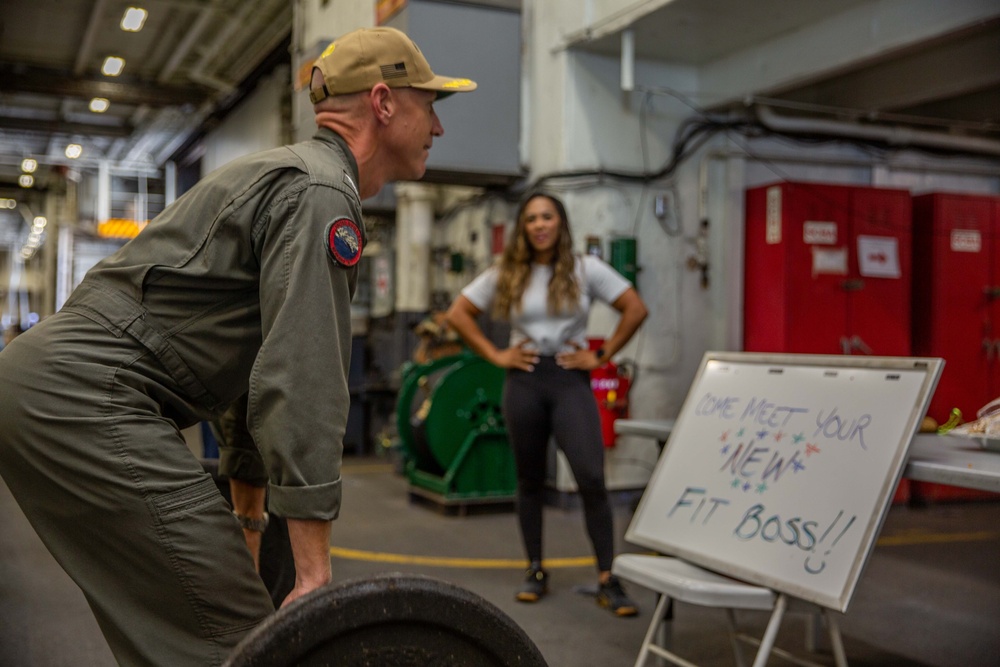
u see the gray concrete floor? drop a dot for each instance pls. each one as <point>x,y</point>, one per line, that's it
<point>930,596</point>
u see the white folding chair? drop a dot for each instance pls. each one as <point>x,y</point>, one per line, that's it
<point>673,578</point>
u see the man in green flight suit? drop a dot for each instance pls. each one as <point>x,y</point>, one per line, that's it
<point>242,284</point>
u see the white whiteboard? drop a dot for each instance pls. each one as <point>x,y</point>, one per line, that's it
<point>780,468</point>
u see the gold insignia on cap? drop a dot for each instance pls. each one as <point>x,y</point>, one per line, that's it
<point>457,83</point>
<point>328,50</point>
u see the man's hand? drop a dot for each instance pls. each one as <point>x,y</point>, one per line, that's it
<point>311,550</point>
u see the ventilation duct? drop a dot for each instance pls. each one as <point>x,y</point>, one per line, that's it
<point>894,135</point>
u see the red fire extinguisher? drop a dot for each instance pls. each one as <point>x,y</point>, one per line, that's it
<point>610,384</point>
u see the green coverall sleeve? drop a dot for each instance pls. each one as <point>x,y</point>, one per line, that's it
<point>299,396</point>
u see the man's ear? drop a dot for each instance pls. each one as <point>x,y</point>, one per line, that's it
<point>383,105</point>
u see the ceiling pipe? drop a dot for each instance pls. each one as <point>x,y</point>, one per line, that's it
<point>165,123</point>
<point>87,45</point>
<point>262,44</point>
<point>229,33</point>
<point>232,26</point>
<point>894,135</point>
<point>168,148</point>
<point>190,37</point>
<point>236,28</point>
<point>223,87</point>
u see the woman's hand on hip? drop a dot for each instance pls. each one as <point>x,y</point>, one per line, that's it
<point>516,357</point>
<point>580,359</point>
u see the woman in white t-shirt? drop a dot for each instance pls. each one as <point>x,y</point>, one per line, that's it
<point>545,292</point>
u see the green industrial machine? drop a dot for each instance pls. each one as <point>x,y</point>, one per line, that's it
<point>452,433</point>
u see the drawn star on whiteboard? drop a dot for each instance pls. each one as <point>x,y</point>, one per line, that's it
<point>739,434</point>
<point>811,449</point>
<point>735,484</point>
<point>762,487</point>
<point>725,450</point>
<point>797,465</point>
<point>798,438</point>
<point>761,435</point>
<point>725,436</point>
<point>778,436</point>
<point>746,486</point>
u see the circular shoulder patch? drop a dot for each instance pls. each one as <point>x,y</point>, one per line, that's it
<point>343,242</point>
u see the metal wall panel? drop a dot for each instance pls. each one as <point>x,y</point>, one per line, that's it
<point>482,128</point>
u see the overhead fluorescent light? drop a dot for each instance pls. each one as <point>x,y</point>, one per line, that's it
<point>74,151</point>
<point>39,223</point>
<point>113,66</point>
<point>7,203</point>
<point>26,180</point>
<point>99,105</point>
<point>29,165</point>
<point>133,19</point>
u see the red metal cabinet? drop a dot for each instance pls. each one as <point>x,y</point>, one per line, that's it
<point>956,307</point>
<point>827,269</point>
<point>956,297</point>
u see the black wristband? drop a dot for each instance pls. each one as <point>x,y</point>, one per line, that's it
<point>599,353</point>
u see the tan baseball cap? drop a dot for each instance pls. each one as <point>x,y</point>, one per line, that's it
<point>362,58</point>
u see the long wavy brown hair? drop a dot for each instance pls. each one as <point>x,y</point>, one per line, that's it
<point>516,260</point>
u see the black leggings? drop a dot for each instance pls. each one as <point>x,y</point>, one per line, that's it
<point>553,401</point>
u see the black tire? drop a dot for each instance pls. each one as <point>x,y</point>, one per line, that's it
<point>391,620</point>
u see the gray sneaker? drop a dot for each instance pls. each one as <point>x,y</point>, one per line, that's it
<point>612,596</point>
<point>536,584</point>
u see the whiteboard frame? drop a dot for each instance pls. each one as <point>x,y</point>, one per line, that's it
<point>931,367</point>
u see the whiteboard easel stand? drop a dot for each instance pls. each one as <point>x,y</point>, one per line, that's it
<point>675,579</point>
<point>747,419</point>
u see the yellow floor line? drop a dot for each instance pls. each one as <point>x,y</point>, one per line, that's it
<point>469,563</point>
<point>903,539</point>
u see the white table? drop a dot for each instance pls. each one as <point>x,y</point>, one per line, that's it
<point>953,459</point>
<point>943,459</point>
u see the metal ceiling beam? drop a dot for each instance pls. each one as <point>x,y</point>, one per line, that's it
<point>865,34</point>
<point>87,46</point>
<point>16,78</point>
<point>232,27</point>
<point>944,73</point>
<point>205,15</point>
<point>63,128</point>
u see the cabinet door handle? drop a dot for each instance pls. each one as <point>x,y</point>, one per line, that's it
<point>845,345</point>
<point>859,344</point>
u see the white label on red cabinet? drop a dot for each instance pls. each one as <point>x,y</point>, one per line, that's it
<point>878,256</point>
<point>772,231</point>
<point>966,240</point>
<point>819,233</point>
<point>829,261</point>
